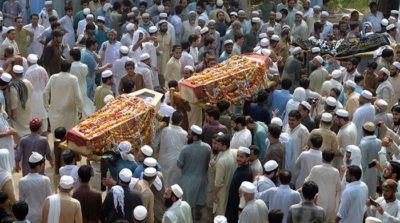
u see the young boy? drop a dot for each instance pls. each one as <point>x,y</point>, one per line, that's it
<point>20,211</point>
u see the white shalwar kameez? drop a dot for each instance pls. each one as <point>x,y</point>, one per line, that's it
<point>80,70</point>
<point>241,138</point>
<point>67,23</point>
<point>364,113</point>
<point>36,47</point>
<point>112,52</point>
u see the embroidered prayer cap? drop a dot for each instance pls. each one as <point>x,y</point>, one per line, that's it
<point>264,42</point>
<point>150,172</point>
<point>275,37</point>
<point>244,150</point>
<point>150,162</point>
<point>32,58</point>
<point>326,117</point>
<point>366,94</point>
<point>262,35</point>
<point>325,13</point>
<point>140,213</point>
<point>6,77</point>
<point>319,59</point>
<point>336,73</point>
<point>106,73</point>
<point>276,120</point>
<point>144,56</point>
<point>369,126</point>
<point>18,69</point>
<point>66,182</point>
<point>342,113</point>
<point>220,219</point>
<point>317,7</point>
<point>256,20</point>
<point>331,101</point>
<point>145,15</point>
<point>381,104</point>
<point>247,187</point>
<point>306,104</point>
<point>153,29</point>
<point>270,165</point>
<point>146,150</point>
<point>35,123</point>
<point>35,157</point>
<point>177,190</point>
<point>196,129</point>
<point>125,175</point>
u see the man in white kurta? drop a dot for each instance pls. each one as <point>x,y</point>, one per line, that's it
<point>347,134</point>
<point>385,89</point>
<point>173,67</point>
<point>67,23</point>
<point>127,38</point>
<point>179,211</point>
<point>36,47</point>
<point>255,210</point>
<point>144,69</point>
<point>38,77</point>
<point>63,99</point>
<point>118,68</point>
<point>332,83</point>
<point>242,136</point>
<point>109,50</point>
<point>364,113</point>
<point>318,76</point>
<point>390,206</point>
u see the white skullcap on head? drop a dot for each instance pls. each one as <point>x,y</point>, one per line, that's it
<point>86,11</point>
<point>276,120</point>
<point>325,13</point>
<point>270,165</point>
<point>150,162</point>
<point>48,2</point>
<point>342,113</point>
<point>390,26</point>
<point>163,15</point>
<point>150,172</point>
<point>140,213</point>
<point>162,21</point>
<point>396,64</point>
<point>372,220</point>
<point>124,49</point>
<point>32,58</point>
<point>247,187</point>
<point>146,150</point>
<point>66,182</point>
<point>326,117</point>
<point>153,29</point>
<point>177,190</point>
<point>107,6</point>
<point>6,77</point>
<point>125,175</point>
<point>350,83</point>
<point>317,7</point>
<point>255,13</point>
<point>108,98</point>
<point>366,94</point>
<point>244,150</point>
<point>196,129</point>
<point>144,56</point>
<point>270,30</point>
<point>385,71</point>
<point>228,41</point>
<point>130,26</point>
<point>211,21</point>
<point>106,73</point>
<point>264,42</point>
<point>18,69</point>
<point>1,18</point>
<point>262,35</point>
<point>204,30</point>
<point>233,14</point>
<point>331,101</point>
<point>285,27</point>
<point>35,157</point>
<point>220,219</point>
<point>161,8</point>
<point>394,12</point>
<point>278,16</point>
<point>319,59</point>
<point>145,15</point>
<point>256,20</point>
<point>315,50</point>
<point>296,50</point>
<point>90,16</point>
<point>219,3</point>
<point>384,22</point>
<point>188,67</point>
<point>241,11</point>
<point>124,146</point>
<point>306,104</point>
<point>345,16</point>
<point>275,37</point>
<point>368,24</point>
<point>299,13</point>
<point>10,28</point>
<point>382,104</point>
<point>368,34</point>
<point>336,73</point>
<point>202,17</point>
<point>197,29</point>
<point>101,18</point>
<point>266,52</point>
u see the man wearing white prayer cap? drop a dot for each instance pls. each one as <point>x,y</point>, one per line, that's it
<point>364,113</point>
<point>227,53</point>
<point>178,210</point>
<point>193,161</point>
<point>45,14</point>
<point>319,74</point>
<point>121,200</point>
<point>251,37</point>
<point>140,214</point>
<point>187,72</point>
<point>35,187</point>
<point>382,115</point>
<point>347,134</point>
<point>143,187</point>
<point>300,28</point>
<point>305,111</point>
<point>144,68</point>
<point>292,67</point>
<point>220,219</point>
<point>269,177</point>
<point>385,89</point>
<point>127,38</point>
<point>352,97</point>
<point>254,210</point>
<point>105,89</point>
<point>71,208</point>
<point>119,70</point>
<point>335,82</point>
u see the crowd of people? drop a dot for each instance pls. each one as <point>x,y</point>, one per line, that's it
<point>319,144</point>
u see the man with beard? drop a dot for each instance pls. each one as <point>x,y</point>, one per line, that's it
<point>319,74</point>
<point>269,179</point>
<point>144,69</point>
<point>365,113</point>
<point>351,96</point>
<point>193,161</point>
<point>259,131</point>
<point>254,210</point>
<point>351,70</point>
<point>272,23</point>
<point>352,202</point>
<point>242,136</point>
<point>394,79</point>
<point>386,59</point>
<point>300,28</point>
<point>347,134</point>
<point>292,68</point>
<point>211,174</point>
<point>387,206</point>
<point>242,173</point>
<point>178,210</point>
<point>251,37</point>
<point>173,67</point>
<point>299,134</point>
<point>188,26</point>
<point>392,171</point>
<point>385,89</point>
<point>227,52</point>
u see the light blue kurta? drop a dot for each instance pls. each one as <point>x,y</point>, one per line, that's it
<point>370,146</point>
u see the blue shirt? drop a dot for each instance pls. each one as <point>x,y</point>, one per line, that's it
<point>119,165</point>
<point>259,112</point>
<point>278,100</point>
<point>101,36</point>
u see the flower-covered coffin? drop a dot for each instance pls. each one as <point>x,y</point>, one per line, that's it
<point>235,78</point>
<point>126,117</point>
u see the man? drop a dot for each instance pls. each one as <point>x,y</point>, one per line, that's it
<point>352,201</point>
<point>212,125</point>
<point>173,67</point>
<point>23,37</point>
<point>71,208</point>
<point>347,134</point>
<point>227,53</point>
<point>46,12</point>
<point>120,200</point>
<point>258,110</point>
<point>352,97</point>
<point>193,161</point>
<point>64,107</point>
<point>143,187</point>
<point>254,210</point>
<point>335,82</point>
<point>365,113</point>
<point>33,142</point>
<point>292,67</point>
<point>89,198</point>
<point>34,27</point>
<point>139,214</point>
<point>109,50</point>
<point>374,17</point>
<point>127,38</point>
<point>279,97</point>
<point>307,211</point>
<point>103,90</point>
<point>276,150</point>
<point>20,102</point>
<point>370,146</point>
<point>144,68</point>
<point>178,209</point>
<point>328,181</point>
<point>242,136</point>
<point>136,80</point>
<point>259,131</point>
<point>300,28</point>
<point>53,53</point>
<point>268,179</point>
<point>329,141</point>
<point>165,46</point>
<point>351,70</point>
<point>225,167</point>
<point>394,77</point>
<point>66,23</point>
<point>306,120</point>
<point>281,197</point>
<point>254,162</point>
<point>242,173</point>
<point>318,76</point>
<point>385,89</point>
<point>251,37</point>
<point>386,59</point>
<point>9,41</point>
<point>34,187</point>
<point>387,206</point>
<point>272,23</point>
<point>237,45</point>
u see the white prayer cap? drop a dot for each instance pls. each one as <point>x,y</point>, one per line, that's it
<point>256,20</point>
<point>107,6</point>
<point>325,13</point>
<point>385,71</point>
<point>163,15</point>
<point>384,22</point>
<point>18,69</point>
<point>391,26</point>
<point>317,7</point>
<point>108,98</point>
<point>113,31</point>
<point>220,219</point>
<point>150,172</point>
<point>153,29</point>
<point>66,182</point>
<point>372,220</point>
<point>331,101</point>
<point>211,21</point>
<point>32,58</point>
<point>162,21</point>
<point>394,12</point>
<point>6,77</point>
<point>161,8</point>
<point>125,175</point>
<point>299,13</point>
<point>192,12</point>
<point>247,187</point>
<point>306,105</point>
<point>177,190</point>
<point>312,38</point>
<point>106,73</point>
<point>326,117</point>
<point>86,11</point>
<point>276,120</point>
<point>188,67</point>
<point>140,213</point>
<point>146,150</point>
<point>101,18</point>
<point>145,15</point>
<point>90,16</point>
<point>278,16</point>
<point>219,3</point>
<point>1,18</point>
<point>144,56</point>
<point>35,157</point>
<point>233,14</point>
<point>48,2</point>
<point>241,11</point>
<point>319,59</point>
<point>124,49</point>
<point>133,183</point>
<point>264,42</point>
<point>124,146</point>
<point>262,35</point>
<point>270,30</point>
<point>345,16</point>
<point>204,30</point>
<point>396,64</point>
<point>342,113</point>
<point>368,34</point>
<point>229,41</point>
<point>366,94</point>
<point>350,83</point>
<point>255,13</point>
<point>315,50</point>
<point>336,73</point>
<point>275,37</point>
<point>130,26</point>
<point>381,104</point>
<point>196,129</point>
<point>202,17</point>
<point>296,50</point>
<point>10,28</point>
<point>266,52</point>
<point>244,150</point>
<point>150,162</point>
<point>134,9</point>
<point>270,165</point>
<point>368,24</point>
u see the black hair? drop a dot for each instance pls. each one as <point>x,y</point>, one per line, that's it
<point>177,117</point>
<point>354,61</point>
<point>387,53</point>
<point>275,216</point>
<point>186,45</point>
<point>213,112</point>
<point>90,42</point>
<point>355,171</point>
<point>224,140</point>
<point>179,9</point>
<point>105,79</point>
<point>396,169</point>
<point>238,36</point>
<point>129,63</point>
<point>53,19</point>
<point>3,197</point>
<point>175,47</point>
<point>33,15</point>
<point>285,176</point>
<point>262,96</point>
<point>192,38</point>
<point>304,82</point>
<point>223,105</point>
<point>354,25</point>
<point>128,85</point>
<point>68,8</point>
<point>328,155</point>
<point>143,3</point>
<point>56,33</point>
<point>286,83</point>
<point>372,64</point>
<point>34,165</point>
<point>372,4</point>
<point>240,120</point>
<point>90,26</point>
<point>255,148</point>
<point>65,66</point>
<point>173,84</point>
<point>20,210</point>
<point>295,114</point>
<point>85,172</point>
<point>309,190</point>
<point>336,90</point>
<point>316,141</point>
<point>68,157</point>
<point>75,53</point>
<point>59,133</point>
<point>274,130</point>
<point>208,41</point>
